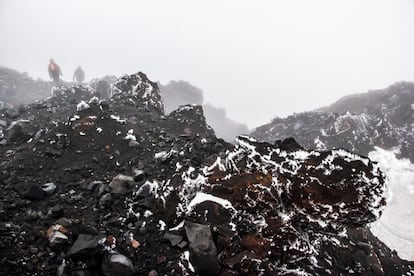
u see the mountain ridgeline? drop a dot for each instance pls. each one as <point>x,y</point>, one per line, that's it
<point>383,118</point>
<point>118,186</point>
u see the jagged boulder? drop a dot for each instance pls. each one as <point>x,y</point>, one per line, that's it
<point>202,248</point>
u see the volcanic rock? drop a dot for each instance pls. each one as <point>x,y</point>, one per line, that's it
<point>294,210</point>
<point>121,184</point>
<point>174,239</point>
<point>203,252</point>
<point>29,190</point>
<point>86,245</point>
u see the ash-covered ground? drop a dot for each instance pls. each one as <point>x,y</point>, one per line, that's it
<point>108,187</point>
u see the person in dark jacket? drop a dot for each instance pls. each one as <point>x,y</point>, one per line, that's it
<point>79,75</point>
<point>54,71</point>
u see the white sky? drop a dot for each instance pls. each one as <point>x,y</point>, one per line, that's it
<point>257,59</point>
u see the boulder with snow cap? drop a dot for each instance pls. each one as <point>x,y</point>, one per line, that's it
<point>140,87</point>
<point>117,264</point>
<point>20,131</point>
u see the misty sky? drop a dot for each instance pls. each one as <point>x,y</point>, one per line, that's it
<point>257,59</point>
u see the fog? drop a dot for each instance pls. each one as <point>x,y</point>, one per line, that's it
<point>256,59</point>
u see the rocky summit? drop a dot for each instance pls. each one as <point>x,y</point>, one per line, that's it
<point>113,186</point>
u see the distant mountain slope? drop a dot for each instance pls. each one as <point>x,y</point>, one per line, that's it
<point>383,118</point>
<point>18,88</point>
<point>178,93</point>
<point>372,99</point>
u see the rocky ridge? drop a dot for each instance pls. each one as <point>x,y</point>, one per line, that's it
<point>18,88</point>
<point>98,187</point>
<point>383,118</point>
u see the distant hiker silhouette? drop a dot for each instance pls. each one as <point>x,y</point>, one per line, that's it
<point>54,71</point>
<point>79,75</point>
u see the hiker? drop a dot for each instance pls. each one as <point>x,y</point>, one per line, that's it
<point>54,70</point>
<point>79,75</point>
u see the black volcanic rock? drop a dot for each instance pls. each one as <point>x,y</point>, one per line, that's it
<point>271,208</point>
<point>84,245</point>
<point>202,248</point>
<point>29,190</point>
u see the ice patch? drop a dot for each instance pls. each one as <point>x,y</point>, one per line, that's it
<point>179,226</point>
<point>118,119</point>
<point>186,256</point>
<point>147,213</point>
<point>82,105</point>
<point>94,100</point>
<point>301,155</point>
<point>74,118</point>
<point>162,225</point>
<point>130,135</point>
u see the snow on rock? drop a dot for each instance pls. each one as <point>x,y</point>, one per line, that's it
<point>118,119</point>
<point>357,123</point>
<point>279,199</point>
<point>141,88</point>
<point>395,228</point>
<point>272,209</point>
<point>202,197</point>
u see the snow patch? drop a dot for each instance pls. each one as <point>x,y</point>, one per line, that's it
<point>201,197</point>
<point>82,105</point>
<point>130,135</point>
<point>118,119</point>
<point>395,226</point>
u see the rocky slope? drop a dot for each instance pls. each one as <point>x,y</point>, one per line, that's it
<point>91,187</point>
<point>383,118</point>
<point>18,88</point>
